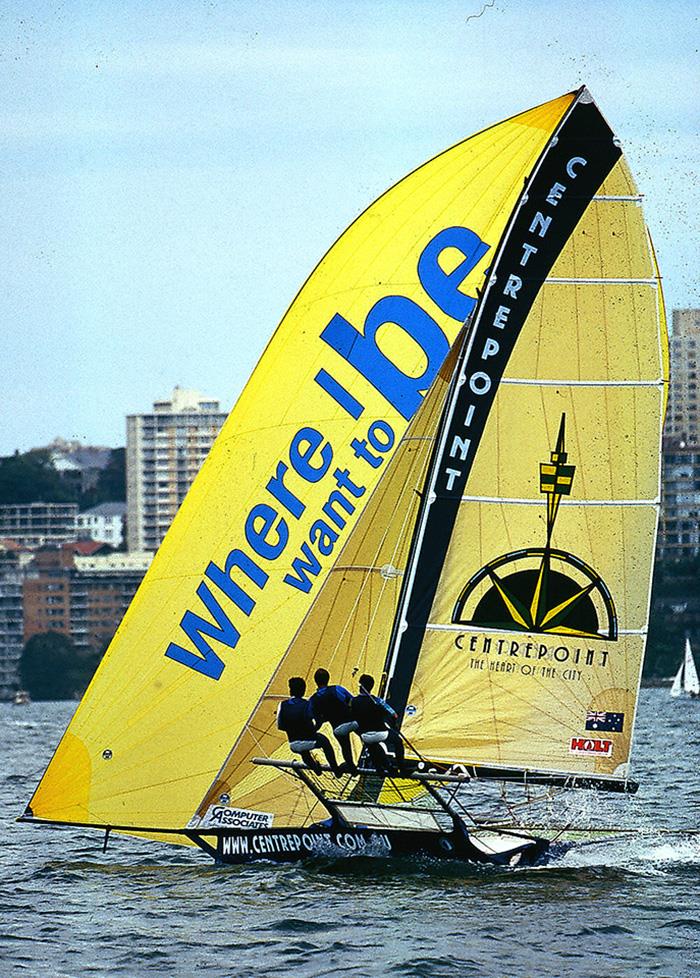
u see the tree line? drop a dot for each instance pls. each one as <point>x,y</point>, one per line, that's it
<point>29,477</point>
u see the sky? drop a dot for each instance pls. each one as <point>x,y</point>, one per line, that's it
<point>172,171</point>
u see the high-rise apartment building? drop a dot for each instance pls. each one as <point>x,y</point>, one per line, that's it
<point>682,411</point>
<point>11,619</point>
<point>164,452</point>
<point>679,529</point>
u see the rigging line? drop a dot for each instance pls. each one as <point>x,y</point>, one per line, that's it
<point>415,478</point>
<point>359,596</point>
<point>361,592</point>
<point>385,581</point>
<point>407,489</point>
<point>299,792</point>
<point>409,517</point>
<point>634,198</point>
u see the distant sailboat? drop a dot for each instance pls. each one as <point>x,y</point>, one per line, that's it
<point>443,472</point>
<point>686,679</point>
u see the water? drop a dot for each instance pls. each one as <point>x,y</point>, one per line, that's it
<point>627,909</point>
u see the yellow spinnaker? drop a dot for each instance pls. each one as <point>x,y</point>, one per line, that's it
<point>284,475</point>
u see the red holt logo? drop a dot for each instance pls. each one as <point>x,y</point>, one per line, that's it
<point>587,745</point>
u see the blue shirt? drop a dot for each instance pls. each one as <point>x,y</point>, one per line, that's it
<point>296,718</point>
<point>372,713</point>
<point>332,704</point>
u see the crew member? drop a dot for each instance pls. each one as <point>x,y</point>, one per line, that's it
<point>377,724</point>
<point>295,717</point>
<point>332,704</point>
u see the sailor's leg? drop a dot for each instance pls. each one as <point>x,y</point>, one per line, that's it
<point>324,744</point>
<point>374,742</point>
<point>310,761</point>
<point>379,758</point>
<point>346,748</point>
<point>395,745</point>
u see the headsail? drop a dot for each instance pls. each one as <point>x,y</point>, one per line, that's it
<point>520,640</point>
<point>690,679</point>
<point>346,629</point>
<point>677,685</point>
<point>686,679</point>
<point>286,481</point>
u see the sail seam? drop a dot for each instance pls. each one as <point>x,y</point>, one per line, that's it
<point>460,627</point>
<point>602,281</point>
<point>363,567</point>
<point>533,382</point>
<point>514,500</point>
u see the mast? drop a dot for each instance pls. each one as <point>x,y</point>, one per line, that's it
<point>575,161</point>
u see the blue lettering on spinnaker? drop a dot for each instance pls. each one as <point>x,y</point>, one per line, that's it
<point>309,455</point>
<point>361,350</point>
<point>207,662</point>
<point>302,567</point>
<point>444,287</point>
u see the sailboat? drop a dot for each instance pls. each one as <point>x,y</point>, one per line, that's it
<point>686,679</point>
<point>444,472</point>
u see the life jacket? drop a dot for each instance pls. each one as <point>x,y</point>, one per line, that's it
<point>294,716</point>
<point>331,703</point>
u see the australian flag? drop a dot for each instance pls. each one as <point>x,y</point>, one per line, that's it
<point>605,722</point>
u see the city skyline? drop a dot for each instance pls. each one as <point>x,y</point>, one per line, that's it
<point>173,173</point>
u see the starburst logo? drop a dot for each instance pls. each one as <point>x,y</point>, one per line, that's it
<point>541,589</point>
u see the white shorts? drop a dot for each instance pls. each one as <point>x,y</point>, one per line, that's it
<point>299,746</point>
<point>374,736</point>
<point>343,729</point>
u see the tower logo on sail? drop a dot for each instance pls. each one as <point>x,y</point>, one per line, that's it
<point>541,589</point>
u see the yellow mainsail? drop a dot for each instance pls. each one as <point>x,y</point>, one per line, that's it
<point>532,651</point>
<point>287,479</point>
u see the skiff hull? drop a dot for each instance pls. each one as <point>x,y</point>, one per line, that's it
<point>293,845</point>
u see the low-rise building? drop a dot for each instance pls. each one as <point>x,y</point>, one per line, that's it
<point>82,597</point>
<point>102,587</point>
<point>38,524</point>
<point>78,463</point>
<point>104,523</point>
